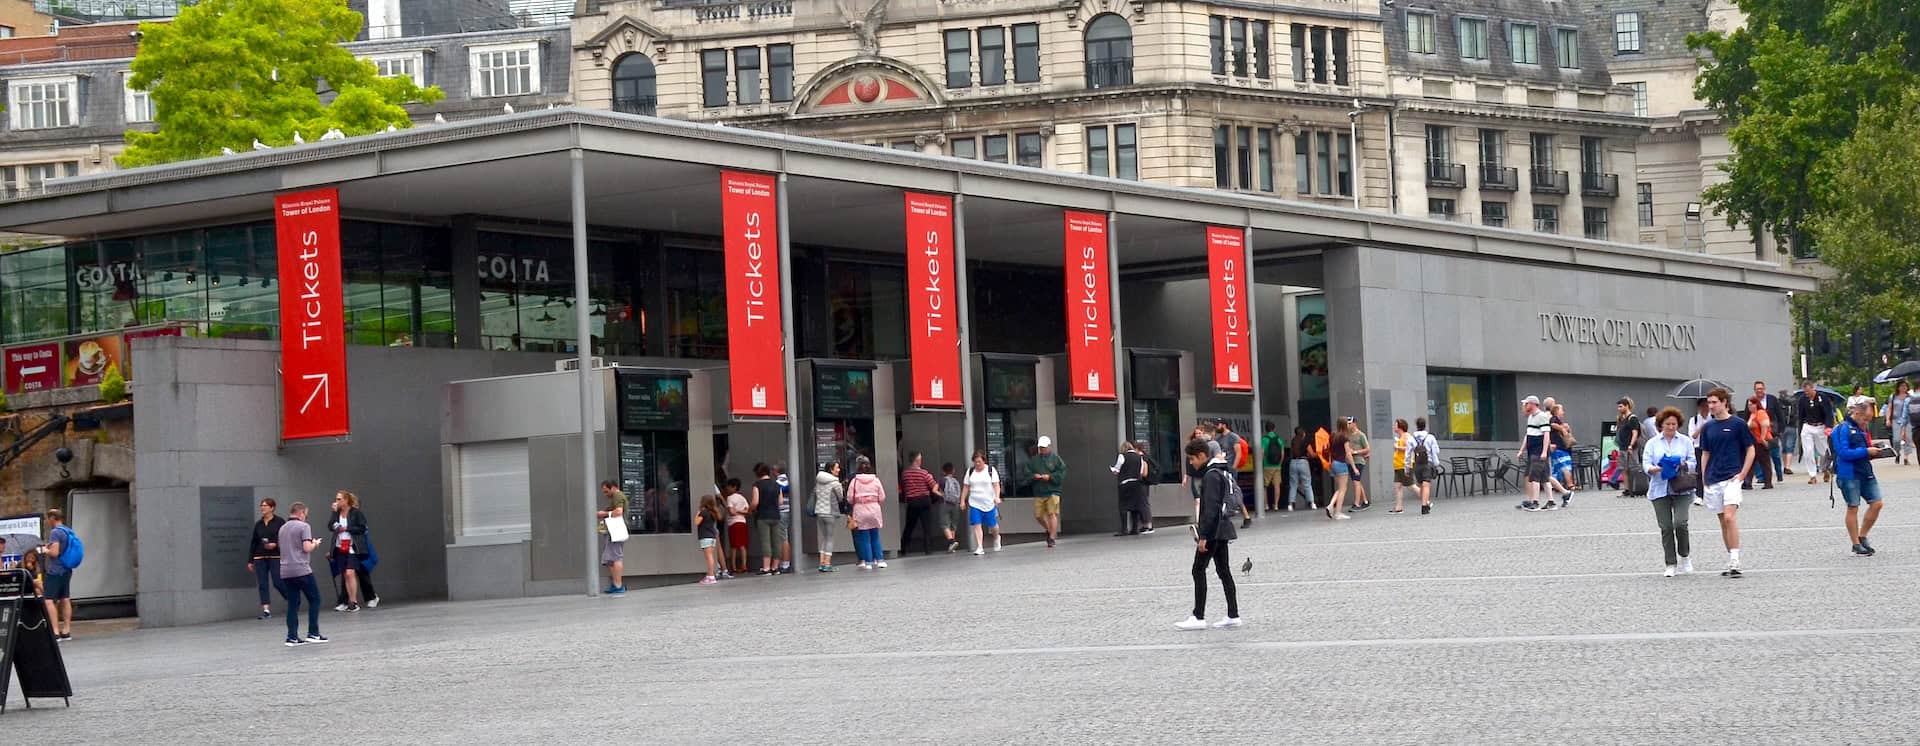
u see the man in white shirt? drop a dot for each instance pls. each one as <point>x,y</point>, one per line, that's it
<point>1421,443</point>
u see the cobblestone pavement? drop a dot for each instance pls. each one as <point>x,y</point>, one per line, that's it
<point>1477,624</point>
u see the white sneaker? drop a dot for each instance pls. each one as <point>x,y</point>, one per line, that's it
<point>1671,569</point>
<point>866,565</point>
<point>341,607</point>
<point>1342,517</point>
<point>996,543</point>
<point>1190,625</point>
<point>1227,623</point>
<point>1699,501</point>
<point>979,552</point>
<point>1686,565</point>
<point>882,564</point>
<point>374,604</point>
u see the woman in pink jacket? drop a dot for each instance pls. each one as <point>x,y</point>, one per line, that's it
<point>866,493</point>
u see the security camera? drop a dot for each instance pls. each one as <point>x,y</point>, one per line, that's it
<point>63,455</point>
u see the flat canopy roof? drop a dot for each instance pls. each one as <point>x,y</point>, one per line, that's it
<point>659,174</point>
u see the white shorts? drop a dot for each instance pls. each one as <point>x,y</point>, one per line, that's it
<point>1813,445</point>
<point>1722,494</point>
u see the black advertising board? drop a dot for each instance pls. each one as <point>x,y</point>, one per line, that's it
<point>1010,384</point>
<point>651,401</point>
<point>26,643</point>
<point>842,393</point>
<point>1155,376</point>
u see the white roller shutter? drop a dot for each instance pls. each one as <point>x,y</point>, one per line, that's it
<point>493,489</point>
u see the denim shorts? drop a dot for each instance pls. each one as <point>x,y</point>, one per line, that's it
<point>1340,469</point>
<point>1855,491</point>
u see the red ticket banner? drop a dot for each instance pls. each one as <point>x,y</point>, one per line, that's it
<point>932,310</point>
<point>757,374</point>
<point>1227,275</point>
<point>313,345</point>
<point>1089,310</point>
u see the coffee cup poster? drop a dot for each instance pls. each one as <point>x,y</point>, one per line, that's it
<point>87,360</point>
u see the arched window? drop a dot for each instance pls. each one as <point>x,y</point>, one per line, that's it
<point>1109,52</point>
<point>633,91</point>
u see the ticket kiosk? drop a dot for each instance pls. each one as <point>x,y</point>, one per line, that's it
<point>847,410</point>
<point>1161,411</point>
<point>510,456</point>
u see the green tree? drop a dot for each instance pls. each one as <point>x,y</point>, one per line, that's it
<point>1792,84</point>
<point>225,73</point>
<point>1870,235</point>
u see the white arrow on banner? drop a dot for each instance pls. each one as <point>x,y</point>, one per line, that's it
<point>320,390</point>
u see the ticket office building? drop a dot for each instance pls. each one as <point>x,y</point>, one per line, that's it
<point>456,253</point>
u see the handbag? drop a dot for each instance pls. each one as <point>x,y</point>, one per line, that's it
<point>1685,481</point>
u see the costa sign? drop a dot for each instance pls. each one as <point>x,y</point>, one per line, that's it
<point>1089,314</point>
<point>1226,271</point>
<point>935,339</point>
<point>757,374</point>
<point>313,347</point>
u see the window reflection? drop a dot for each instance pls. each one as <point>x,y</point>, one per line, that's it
<point>526,295</point>
<point>696,303</point>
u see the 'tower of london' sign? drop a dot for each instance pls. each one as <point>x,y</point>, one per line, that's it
<point>1590,330</point>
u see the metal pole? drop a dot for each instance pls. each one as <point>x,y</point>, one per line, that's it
<point>961,306</point>
<point>1353,171</point>
<point>583,339</point>
<point>794,470</point>
<point>1122,413</point>
<point>1253,354</point>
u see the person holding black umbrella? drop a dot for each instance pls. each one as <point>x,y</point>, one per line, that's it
<point>1815,415</point>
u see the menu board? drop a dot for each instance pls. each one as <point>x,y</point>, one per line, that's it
<point>1312,340</point>
<point>651,401</point>
<point>842,393</point>
<point>1010,385</point>
<point>633,478</point>
<point>1142,421</point>
<point>997,447</point>
<point>825,440</point>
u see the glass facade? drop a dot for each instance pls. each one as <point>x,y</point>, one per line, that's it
<point>651,294</point>
<point>398,287</point>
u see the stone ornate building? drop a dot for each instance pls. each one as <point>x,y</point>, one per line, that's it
<point>1505,115</point>
<point>1686,142</point>
<point>1237,96</point>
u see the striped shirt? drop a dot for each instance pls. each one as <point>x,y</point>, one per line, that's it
<point>915,482</point>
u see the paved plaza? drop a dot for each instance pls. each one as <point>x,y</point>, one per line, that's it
<point>1477,624</point>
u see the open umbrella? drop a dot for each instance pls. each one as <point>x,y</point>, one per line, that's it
<point>1907,369</point>
<point>1697,388</point>
<point>1838,399</point>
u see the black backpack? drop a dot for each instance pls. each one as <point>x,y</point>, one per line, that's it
<point>1421,459</point>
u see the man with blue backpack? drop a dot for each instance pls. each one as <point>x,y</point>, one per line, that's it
<point>63,553</point>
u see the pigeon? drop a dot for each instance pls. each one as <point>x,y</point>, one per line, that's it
<point>1247,566</point>
<point>297,139</point>
<point>439,119</point>
<point>226,151</point>
<point>508,108</point>
<point>392,128</point>
<point>257,145</point>
<point>333,134</point>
